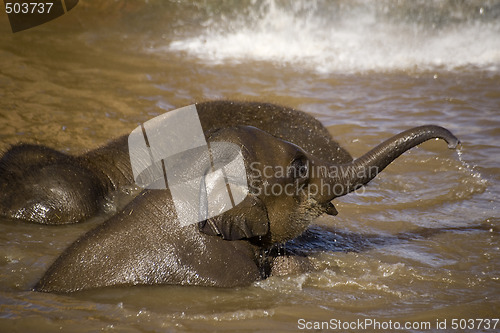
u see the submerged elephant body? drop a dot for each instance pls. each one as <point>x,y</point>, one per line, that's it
<point>145,243</point>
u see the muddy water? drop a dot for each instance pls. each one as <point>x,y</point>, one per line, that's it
<point>420,244</point>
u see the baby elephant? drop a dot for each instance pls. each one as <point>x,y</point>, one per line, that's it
<point>294,170</point>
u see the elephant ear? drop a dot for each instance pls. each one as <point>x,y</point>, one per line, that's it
<point>246,220</point>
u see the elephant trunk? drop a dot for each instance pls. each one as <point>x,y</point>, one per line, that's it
<point>351,176</point>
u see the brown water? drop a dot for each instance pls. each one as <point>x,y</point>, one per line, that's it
<point>420,244</point>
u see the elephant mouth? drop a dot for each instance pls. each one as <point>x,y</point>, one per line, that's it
<point>330,209</point>
<point>311,209</point>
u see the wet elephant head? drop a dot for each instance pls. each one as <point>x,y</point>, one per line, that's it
<point>288,187</point>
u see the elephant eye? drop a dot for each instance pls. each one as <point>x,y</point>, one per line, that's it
<point>299,168</point>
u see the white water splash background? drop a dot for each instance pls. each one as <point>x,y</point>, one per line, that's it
<point>350,36</point>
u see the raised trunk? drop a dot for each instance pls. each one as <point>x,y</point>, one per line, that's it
<point>349,177</point>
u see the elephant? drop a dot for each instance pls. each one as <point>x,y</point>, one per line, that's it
<point>41,185</point>
<point>145,243</point>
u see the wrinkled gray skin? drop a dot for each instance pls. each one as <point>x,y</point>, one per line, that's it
<point>144,243</point>
<point>41,185</point>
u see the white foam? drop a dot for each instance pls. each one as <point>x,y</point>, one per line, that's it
<point>358,41</point>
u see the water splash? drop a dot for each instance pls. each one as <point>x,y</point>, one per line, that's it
<point>470,169</point>
<point>354,36</point>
